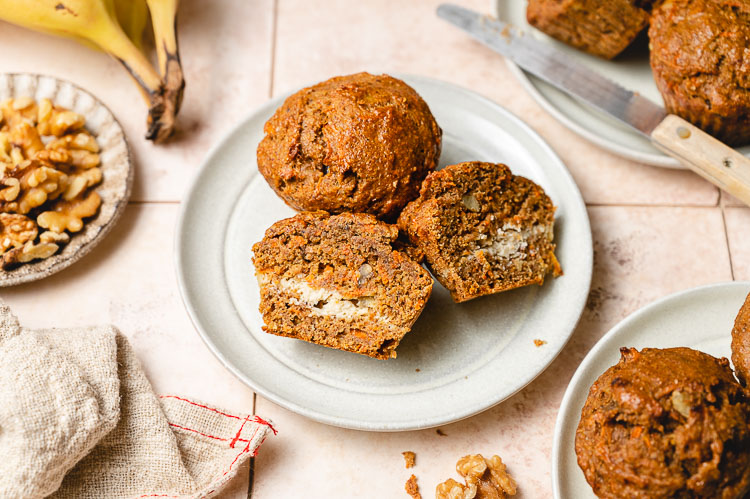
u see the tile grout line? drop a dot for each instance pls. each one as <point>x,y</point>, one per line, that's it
<point>644,205</point>
<point>274,23</point>
<point>271,76</point>
<point>726,233</point>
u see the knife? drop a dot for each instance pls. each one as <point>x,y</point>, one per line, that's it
<point>708,157</point>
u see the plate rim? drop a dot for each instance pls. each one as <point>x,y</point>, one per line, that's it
<point>594,352</point>
<point>119,206</point>
<point>345,422</point>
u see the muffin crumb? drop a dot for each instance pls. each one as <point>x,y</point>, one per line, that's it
<point>409,458</point>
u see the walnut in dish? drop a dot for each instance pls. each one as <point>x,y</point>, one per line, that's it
<point>49,166</point>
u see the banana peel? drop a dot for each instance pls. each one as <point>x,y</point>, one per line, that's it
<point>98,22</point>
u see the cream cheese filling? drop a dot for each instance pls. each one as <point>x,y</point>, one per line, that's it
<point>324,302</point>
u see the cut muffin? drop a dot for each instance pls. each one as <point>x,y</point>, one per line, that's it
<point>338,281</point>
<point>482,229</point>
<point>357,143</point>
<point>709,84</point>
<point>664,424</point>
<point>601,28</point>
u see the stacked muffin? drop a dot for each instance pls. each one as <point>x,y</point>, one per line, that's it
<point>353,154</point>
<point>700,51</point>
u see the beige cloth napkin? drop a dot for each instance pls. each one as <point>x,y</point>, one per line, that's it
<point>78,419</point>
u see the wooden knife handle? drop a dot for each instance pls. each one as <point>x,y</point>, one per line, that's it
<point>708,157</point>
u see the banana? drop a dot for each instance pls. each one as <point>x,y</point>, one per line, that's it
<point>95,21</point>
<point>164,23</point>
<point>133,18</point>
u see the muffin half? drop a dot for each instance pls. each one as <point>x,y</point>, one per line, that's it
<point>482,229</point>
<point>338,281</point>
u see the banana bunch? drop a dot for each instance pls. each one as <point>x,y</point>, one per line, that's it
<point>117,27</point>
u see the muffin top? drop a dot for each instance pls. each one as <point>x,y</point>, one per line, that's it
<point>700,49</point>
<point>359,143</point>
<point>741,343</point>
<point>666,423</point>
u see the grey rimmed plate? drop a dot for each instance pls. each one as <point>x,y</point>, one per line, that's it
<point>457,361</point>
<point>631,69</point>
<point>116,166</point>
<point>700,318</point>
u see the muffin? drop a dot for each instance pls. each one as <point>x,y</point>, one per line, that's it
<point>741,343</point>
<point>709,84</point>
<point>357,143</point>
<point>601,28</point>
<point>664,424</point>
<point>338,281</point>
<point>482,229</point>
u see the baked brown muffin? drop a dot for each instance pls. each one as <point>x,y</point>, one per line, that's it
<point>358,143</point>
<point>670,423</point>
<point>600,28</point>
<point>338,282</point>
<point>482,229</point>
<point>700,56</point>
<point>741,343</point>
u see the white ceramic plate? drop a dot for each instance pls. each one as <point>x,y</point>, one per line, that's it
<point>457,361</point>
<point>699,318</point>
<point>631,69</point>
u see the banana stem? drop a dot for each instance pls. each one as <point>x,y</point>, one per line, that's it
<point>164,21</point>
<point>162,104</point>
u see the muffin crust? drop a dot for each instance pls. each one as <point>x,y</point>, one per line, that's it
<point>709,83</point>
<point>357,143</point>
<point>664,424</point>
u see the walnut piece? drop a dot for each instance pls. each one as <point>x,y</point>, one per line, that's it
<point>485,479</point>
<point>49,165</point>
<point>17,230</point>
<point>27,253</point>
<point>412,488</point>
<point>69,215</point>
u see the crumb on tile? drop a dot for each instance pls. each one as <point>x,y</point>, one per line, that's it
<point>539,343</point>
<point>441,432</point>
<point>409,458</point>
<point>412,488</point>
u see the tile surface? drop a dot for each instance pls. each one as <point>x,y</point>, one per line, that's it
<point>656,231</point>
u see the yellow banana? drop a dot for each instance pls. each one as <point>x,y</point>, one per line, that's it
<point>95,21</point>
<point>133,18</point>
<point>164,22</point>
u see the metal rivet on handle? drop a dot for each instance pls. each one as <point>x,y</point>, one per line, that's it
<point>683,132</point>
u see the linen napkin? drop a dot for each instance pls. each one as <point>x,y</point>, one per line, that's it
<point>78,419</point>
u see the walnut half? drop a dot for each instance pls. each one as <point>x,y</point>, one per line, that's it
<point>27,253</point>
<point>485,479</point>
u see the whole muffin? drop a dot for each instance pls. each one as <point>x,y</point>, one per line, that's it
<point>700,56</point>
<point>664,424</point>
<point>357,143</point>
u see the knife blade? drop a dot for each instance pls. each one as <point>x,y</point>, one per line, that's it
<point>705,155</point>
<point>549,64</point>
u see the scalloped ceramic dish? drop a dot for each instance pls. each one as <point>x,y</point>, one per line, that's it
<point>117,170</point>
